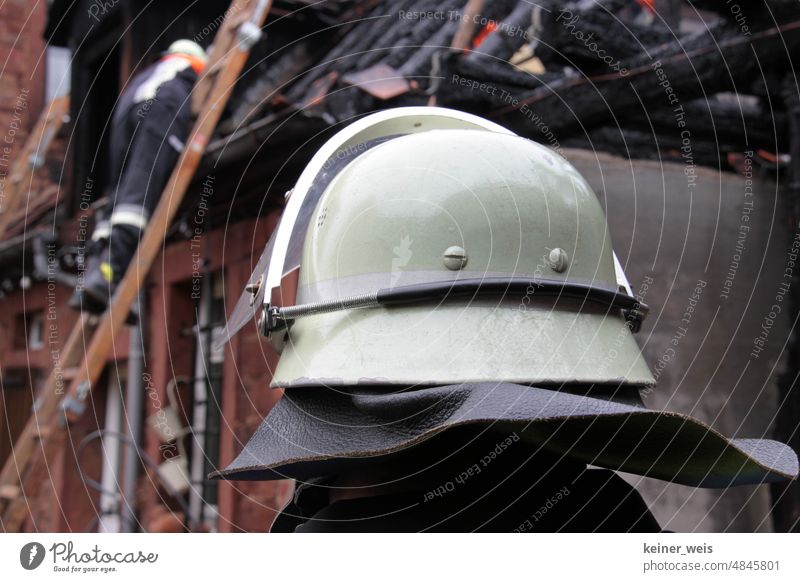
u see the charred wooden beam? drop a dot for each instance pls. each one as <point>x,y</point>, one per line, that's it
<point>733,123</point>
<point>276,76</point>
<point>420,62</point>
<point>724,61</point>
<point>417,36</point>
<point>411,28</point>
<point>661,144</point>
<point>669,12</point>
<point>484,86</point>
<point>499,73</point>
<point>466,30</point>
<point>349,42</point>
<point>647,145</point>
<point>509,36</point>
<point>593,38</point>
<point>750,8</point>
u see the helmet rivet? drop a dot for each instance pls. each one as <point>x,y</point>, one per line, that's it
<point>253,289</point>
<point>558,260</point>
<point>455,258</point>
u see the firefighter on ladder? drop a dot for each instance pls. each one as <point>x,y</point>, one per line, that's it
<point>151,121</point>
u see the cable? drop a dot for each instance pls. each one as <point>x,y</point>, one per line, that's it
<point>146,459</point>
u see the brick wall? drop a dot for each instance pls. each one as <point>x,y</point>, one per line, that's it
<point>246,398</point>
<point>22,70</point>
<point>64,502</point>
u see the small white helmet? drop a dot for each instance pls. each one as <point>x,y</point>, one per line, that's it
<point>185,46</point>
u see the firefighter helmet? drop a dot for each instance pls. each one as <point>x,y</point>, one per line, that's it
<point>434,247</point>
<point>187,47</point>
<point>457,253</point>
<point>470,272</point>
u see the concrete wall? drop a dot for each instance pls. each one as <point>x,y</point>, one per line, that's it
<point>681,228</point>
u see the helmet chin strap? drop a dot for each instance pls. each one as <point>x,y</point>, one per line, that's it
<point>278,318</point>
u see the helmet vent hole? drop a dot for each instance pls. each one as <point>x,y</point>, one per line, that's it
<point>322,216</point>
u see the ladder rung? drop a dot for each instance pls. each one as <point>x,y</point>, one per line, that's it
<point>70,373</point>
<point>42,432</point>
<point>236,20</point>
<point>9,492</point>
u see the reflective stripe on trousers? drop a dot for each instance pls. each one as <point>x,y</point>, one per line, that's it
<point>130,215</point>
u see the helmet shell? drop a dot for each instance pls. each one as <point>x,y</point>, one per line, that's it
<point>451,204</point>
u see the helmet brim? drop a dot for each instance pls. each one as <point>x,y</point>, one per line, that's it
<point>311,433</point>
